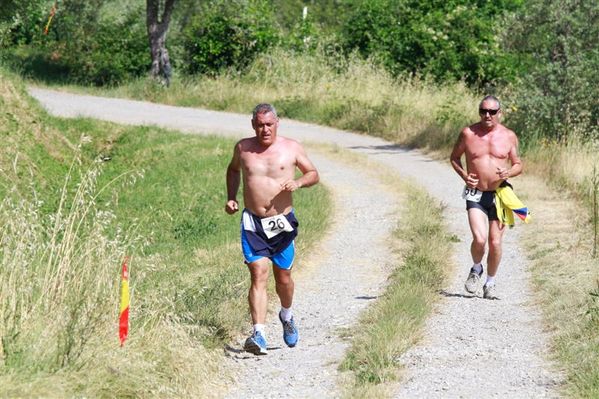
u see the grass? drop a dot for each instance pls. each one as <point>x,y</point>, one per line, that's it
<point>353,95</point>
<point>559,244</point>
<point>90,193</point>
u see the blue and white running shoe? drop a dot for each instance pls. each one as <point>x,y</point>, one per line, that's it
<point>290,334</point>
<point>255,344</point>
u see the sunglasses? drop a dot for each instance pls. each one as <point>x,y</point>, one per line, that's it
<point>491,112</point>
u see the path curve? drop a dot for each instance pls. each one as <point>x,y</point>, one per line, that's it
<point>471,347</point>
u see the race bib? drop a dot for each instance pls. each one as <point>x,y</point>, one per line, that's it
<point>275,225</point>
<point>472,194</point>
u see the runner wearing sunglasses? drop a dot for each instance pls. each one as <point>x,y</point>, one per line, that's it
<point>491,155</point>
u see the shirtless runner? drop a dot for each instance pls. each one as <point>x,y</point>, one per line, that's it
<point>491,152</point>
<point>267,163</point>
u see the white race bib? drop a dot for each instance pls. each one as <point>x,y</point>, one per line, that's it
<point>472,194</point>
<point>275,225</point>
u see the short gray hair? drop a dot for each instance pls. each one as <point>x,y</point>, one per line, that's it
<point>264,108</point>
<point>492,98</point>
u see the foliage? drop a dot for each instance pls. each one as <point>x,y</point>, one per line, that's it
<point>447,39</point>
<point>326,15</point>
<point>229,34</point>
<point>557,95</point>
<point>90,47</point>
<point>22,21</point>
<point>82,45</point>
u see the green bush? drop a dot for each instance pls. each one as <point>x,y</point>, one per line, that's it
<point>557,95</point>
<point>83,45</point>
<point>23,21</point>
<point>452,39</point>
<point>100,51</point>
<point>229,34</point>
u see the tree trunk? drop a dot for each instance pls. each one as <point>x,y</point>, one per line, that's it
<point>157,28</point>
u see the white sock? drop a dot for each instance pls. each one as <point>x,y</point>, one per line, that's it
<point>490,281</point>
<point>259,328</point>
<point>286,313</point>
<point>478,267</point>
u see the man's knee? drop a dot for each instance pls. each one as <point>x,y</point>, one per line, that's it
<point>283,277</point>
<point>479,240</point>
<point>258,272</point>
<point>495,243</point>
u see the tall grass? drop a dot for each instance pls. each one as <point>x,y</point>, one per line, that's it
<point>58,275</point>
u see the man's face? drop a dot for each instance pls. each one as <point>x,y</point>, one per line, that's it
<point>489,113</point>
<point>265,125</point>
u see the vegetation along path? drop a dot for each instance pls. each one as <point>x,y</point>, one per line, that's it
<point>471,347</point>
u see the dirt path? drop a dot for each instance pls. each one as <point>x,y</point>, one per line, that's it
<point>471,347</point>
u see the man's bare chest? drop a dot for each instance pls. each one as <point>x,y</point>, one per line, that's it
<point>272,165</point>
<point>483,147</point>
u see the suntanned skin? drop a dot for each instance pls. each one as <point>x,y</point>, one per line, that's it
<point>491,152</point>
<point>267,164</point>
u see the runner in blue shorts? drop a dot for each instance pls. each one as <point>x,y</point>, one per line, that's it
<point>267,163</point>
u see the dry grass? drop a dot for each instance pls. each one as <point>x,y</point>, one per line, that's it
<point>559,245</point>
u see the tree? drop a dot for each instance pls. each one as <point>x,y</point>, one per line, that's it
<point>157,29</point>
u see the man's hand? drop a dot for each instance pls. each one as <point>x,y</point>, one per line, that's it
<point>231,207</point>
<point>290,185</point>
<point>503,173</point>
<point>472,180</point>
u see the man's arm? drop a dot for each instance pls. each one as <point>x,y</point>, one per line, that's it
<point>455,158</point>
<point>309,175</point>
<point>515,160</point>
<point>233,181</point>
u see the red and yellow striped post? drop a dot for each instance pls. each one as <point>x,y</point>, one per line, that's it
<point>124,310</point>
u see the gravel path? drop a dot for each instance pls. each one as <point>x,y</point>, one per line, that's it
<point>471,347</point>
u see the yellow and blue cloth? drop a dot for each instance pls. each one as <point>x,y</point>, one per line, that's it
<point>508,204</point>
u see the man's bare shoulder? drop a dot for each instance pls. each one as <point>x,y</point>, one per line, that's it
<point>472,129</point>
<point>508,131</point>
<point>288,143</point>
<point>246,143</point>
<point>467,131</point>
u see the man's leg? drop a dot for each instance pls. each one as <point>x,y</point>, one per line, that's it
<point>257,294</point>
<point>495,239</point>
<point>478,226</point>
<point>284,285</point>
<point>285,288</point>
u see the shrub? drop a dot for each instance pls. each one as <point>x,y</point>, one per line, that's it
<point>100,51</point>
<point>229,34</point>
<point>453,39</point>
<point>557,95</point>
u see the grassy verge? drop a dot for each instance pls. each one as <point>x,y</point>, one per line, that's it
<point>151,194</point>
<point>559,244</point>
